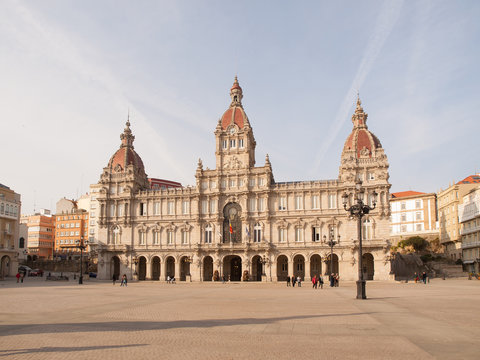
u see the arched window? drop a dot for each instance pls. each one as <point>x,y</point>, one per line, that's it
<point>257,233</point>
<point>208,234</point>
<point>367,229</point>
<point>116,235</point>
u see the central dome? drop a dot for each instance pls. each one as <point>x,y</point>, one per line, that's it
<point>235,113</point>
<point>126,155</point>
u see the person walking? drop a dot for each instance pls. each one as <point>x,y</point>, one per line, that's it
<point>299,280</point>
<point>114,279</point>
<point>314,282</point>
<point>22,276</point>
<point>294,279</point>
<point>320,282</point>
<point>288,280</point>
<point>337,280</point>
<point>331,278</point>
<point>18,277</point>
<point>424,277</point>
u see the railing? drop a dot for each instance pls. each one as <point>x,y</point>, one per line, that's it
<point>471,245</point>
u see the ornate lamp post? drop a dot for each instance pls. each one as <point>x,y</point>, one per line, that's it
<point>135,261</point>
<point>263,261</point>
<point>82,245</point>
<point>331,242</point>
<point>358,210</point>
<point>188,260</point>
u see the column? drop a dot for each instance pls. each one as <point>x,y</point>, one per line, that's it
<point>148,272</point>
<point>307,270</point>
<point>290,267</point>
<point>177,269</point>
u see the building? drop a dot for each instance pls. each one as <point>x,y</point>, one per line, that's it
<point>449,226</point>
<point>237,221</point>
<point>10,207</point>
<point>469,217</point>
<point>41,234</point>
<point>71,230</point>
<point>413,214</point>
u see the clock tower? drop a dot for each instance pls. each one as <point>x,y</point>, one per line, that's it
<point>235,144</point>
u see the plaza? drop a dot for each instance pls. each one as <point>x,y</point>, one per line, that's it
<point>146,320</point>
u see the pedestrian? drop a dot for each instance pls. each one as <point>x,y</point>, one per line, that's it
<point>424,277</point>
<point>114,279</point>
<point>294,280</point>
<point>124,280</point>
<point>22,276</point>
<point>288,280</point>
<point>337,280</point>
<point>416,278</point>
<point>18,277</point>
<point>331,278</point>
<point>320,280</point>
<point>314,282</point>
<point>299,280</point>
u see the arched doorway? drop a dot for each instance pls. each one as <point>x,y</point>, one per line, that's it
<point>184,268</point>
<point>299,266</point>
<point>5,267</point>
<point>232,267</point>
<point>170,267</point>
<point>232,223</point>
<point>315,266</point>
<point>334,264</point>
<point>142,268</point>
<point>256,268</point>
<point>156,268</point>
<point>282,268</point>
<point>368,266</point>
<point>207,268</point>
<point>115,267</point>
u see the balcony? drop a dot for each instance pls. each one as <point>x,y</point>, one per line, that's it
<point>471,245</point>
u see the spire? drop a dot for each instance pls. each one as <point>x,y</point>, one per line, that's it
<point>236,93</point>
<point>267,161</point>
<point>127,137</point>
<point>359,118</point>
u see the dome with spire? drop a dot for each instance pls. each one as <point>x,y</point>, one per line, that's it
<point>361,140</point>
<point>126,155</point>
<point>235,113</point>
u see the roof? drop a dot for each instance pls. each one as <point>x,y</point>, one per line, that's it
<point>406,193</point>
<point>472,179</point>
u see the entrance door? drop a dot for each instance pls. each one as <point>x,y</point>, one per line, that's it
<point>207,268</point>
<point>156,268</point>
<point>232,268</point>
<point>115,267</point>
<point>257,268</point>
<point>368,266</point>
<point>142,268</point>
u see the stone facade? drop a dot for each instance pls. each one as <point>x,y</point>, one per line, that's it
<point>469,218</point>
<point>237,222</point>
<point>10,207</point>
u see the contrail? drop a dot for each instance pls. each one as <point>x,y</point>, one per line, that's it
<point>386,20</point>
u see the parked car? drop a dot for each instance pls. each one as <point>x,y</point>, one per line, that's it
<point>24,269</point>
<point>36,272</point>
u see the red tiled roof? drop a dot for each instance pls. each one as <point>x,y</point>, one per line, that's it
<point>234,115</point>
<point>472,179</point>
<point>406,193</point>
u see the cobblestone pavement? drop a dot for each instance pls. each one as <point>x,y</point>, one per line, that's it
<point>57,320</point>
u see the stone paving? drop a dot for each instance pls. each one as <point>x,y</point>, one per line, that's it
<point>57,320</point>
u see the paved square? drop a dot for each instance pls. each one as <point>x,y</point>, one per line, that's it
<point>48,320</point>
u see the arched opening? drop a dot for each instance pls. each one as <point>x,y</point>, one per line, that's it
<point>184,268</point>
<point>29,258</point>
<point>232,268</point>
<point>34,257</point>
<point>207,268</point>
<point>115,267</point>
<point>170,267</point>
<point>368,266</point>
<point>232,223</point>
<point>299,266</point>
<point>282,268</point>
<point>156,268</point>
<point>5,266</point>
<point>315,266</point>
<point>257,268</point>
<point>331,266</point>
<point>142,268</point>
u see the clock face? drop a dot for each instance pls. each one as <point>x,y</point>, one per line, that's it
<point>232,130</point>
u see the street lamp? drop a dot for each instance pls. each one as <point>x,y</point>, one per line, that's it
<point>188,260</point>
<point>331,242</point>
<point>135,261</point>
<point>263,261</point>
<point>80,244</point>
<point>358,210</point>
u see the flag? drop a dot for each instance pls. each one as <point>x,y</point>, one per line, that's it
<point>230,227</point>
<point>246,230</point>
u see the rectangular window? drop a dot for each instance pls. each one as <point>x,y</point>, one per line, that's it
<point>371,176</point>
<point>240,143</point>
<point>403,217</point>
<point>92,222</point>
<point>315,202</point>
<point>185,207</point>
<point>261,204</point>
<point>212,206</point>
<point>171,208</point>
<point>156,238</point>
<point>418,215</point>
<point>233,143</point>
<point>298,202</point>
<point>281,236</point>
<point>213,184</point>
<point>403,228</point>
<point>251,204</point>
<point>72,233</point>
<point>156,208</point>
<point>418,204</point>
<point>224,184</point>
<point>169,237</point>
<point>112,210</point>
<point>261,182</point>
<point>419,227</point>
<point>224,144</point>
<point>232,183</point>
<point>208,235</point>
<point>257,234</point>
<point>185,237</point>
<point>141,238</point>
<point>316,234</point>
<point>282,203</point>
<point>298,234</point>
<point>143,209</point>
<point>240,183</point>
<point>92,214</point>
<point>403,205</point>
<point>120,210</point>
<point>251,182</point>
<point>204,205</point>
<point>332,201</point>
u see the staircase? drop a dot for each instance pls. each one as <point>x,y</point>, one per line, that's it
<point>449,270</point>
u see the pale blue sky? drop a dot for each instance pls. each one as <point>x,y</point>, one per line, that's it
<point>70,70</point>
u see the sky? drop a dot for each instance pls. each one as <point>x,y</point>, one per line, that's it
<point>72,71</point>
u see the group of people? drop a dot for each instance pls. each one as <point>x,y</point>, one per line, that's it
<point>294,280</point>
<point>171,280</point>
<point>317,282</point>
<point>424,277</point>
<point>20,275</point>
<point>334,280</point>
<point>123,281</point>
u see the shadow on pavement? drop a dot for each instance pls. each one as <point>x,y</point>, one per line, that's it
<point>61,349</point>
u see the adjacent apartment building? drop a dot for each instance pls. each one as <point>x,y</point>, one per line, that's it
<point>41,234</point>
<point>413,214</point>
<point>10,207</point>
<point>469,218</point>
<point>448,216</point>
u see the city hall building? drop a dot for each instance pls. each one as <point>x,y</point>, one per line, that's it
<point>237,223</point>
